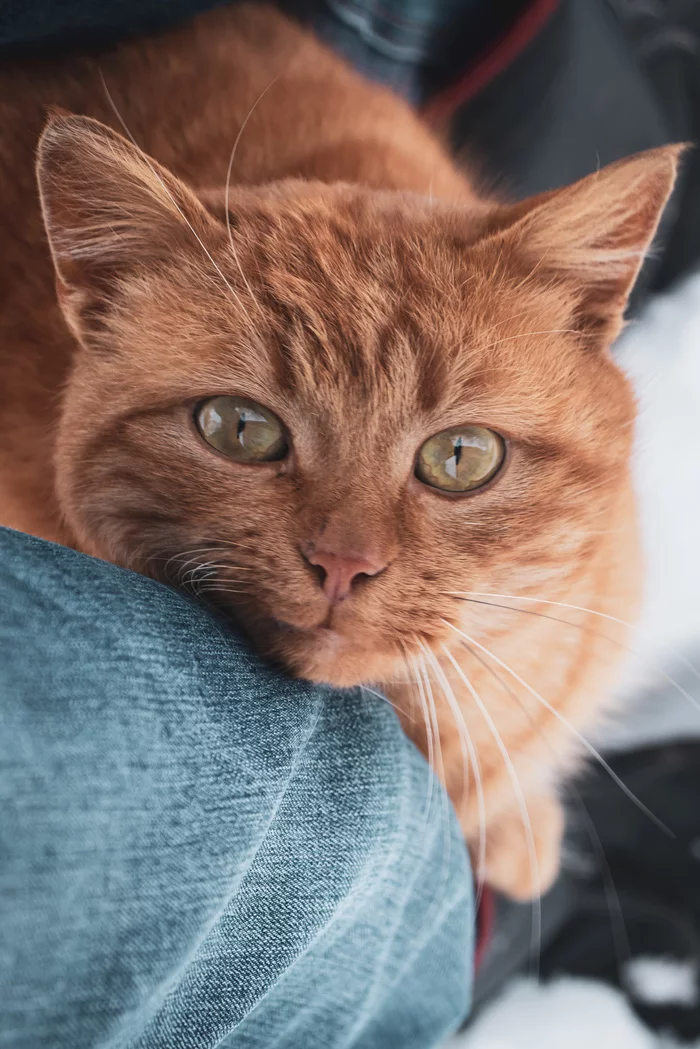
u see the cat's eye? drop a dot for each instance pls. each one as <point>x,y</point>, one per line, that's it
<point>461,459</point>
<point>241,429</point>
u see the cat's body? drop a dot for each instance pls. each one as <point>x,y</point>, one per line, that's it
<point>369,309</point>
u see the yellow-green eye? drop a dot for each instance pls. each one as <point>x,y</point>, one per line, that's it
<point>460,459</point>
<point>241,429</point>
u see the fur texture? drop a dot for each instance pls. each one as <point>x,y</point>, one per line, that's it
<point>349,278</point>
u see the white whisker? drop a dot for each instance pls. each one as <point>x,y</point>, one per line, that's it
<point>471,595</point>
<point>442,793</point>
<point>520,798</point>
<point>208,567</point>
<point>526,334</point>
<point>185,553</point>
<point>617,919</point>
<point>428,733</point>
<point>469,759</point>
<point>147,161</point>
<point>578,735</point>
<point>394,706</point>
<point>217,588</point>
<point>617,922</point>
<point>228,188</point>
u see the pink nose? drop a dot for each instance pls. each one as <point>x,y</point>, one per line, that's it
<point>340,572</point>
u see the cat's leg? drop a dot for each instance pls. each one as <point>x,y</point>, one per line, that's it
<point>523,861</point>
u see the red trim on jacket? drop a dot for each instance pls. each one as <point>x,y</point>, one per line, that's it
<point>484,926</point>
<point>497,58</point>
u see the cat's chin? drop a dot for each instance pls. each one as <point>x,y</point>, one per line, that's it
<point>328,657</point>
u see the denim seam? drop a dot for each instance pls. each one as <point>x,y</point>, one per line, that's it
<point>320,933</point>
<point>220,911</point>
<point>406,781</point>
<point>430,922</point>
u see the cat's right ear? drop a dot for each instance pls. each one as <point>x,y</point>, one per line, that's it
<point>592,236</point>
<point>109,210</point>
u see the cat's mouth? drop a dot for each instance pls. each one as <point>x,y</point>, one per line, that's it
<point>324,654</point>
<point>320,630</point>
<point>333,650</point>
<point>323,637</point>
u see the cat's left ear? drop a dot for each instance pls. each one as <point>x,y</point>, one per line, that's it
<point>594,234</point>
<point>109,210</point>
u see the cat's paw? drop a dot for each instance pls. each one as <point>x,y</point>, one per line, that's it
<point>521,865</point>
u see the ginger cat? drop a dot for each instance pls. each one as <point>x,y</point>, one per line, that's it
<point>319,380</point>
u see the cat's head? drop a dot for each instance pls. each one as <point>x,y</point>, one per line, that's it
<point>329,409</point>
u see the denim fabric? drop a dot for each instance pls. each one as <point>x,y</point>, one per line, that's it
<point>196,851</point>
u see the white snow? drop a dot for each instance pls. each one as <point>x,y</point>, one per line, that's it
<point>662,981</point>
<point>566,1014</point>
<point>661,354</point>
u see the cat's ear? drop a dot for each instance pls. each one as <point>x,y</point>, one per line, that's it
<point>108,209</point>
<point>595,233</point>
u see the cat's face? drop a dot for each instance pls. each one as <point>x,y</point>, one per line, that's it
<point>363,326</point>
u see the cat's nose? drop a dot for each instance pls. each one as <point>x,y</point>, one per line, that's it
<point>341,570</point>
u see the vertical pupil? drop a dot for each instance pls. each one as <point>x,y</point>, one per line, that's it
<point>240,427</point>
<point>458,450</point>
